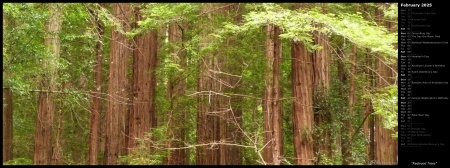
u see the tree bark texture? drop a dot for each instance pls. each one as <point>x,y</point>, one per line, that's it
<point>7,124</point>
<point>385,145</point>
<point>117,88</point>
<point>94,121</point>
<point>321,83</point>
<point>303,115</point>
<point>272,103</point>
<point>208,114</point>
<point>44,121</point>
<point>143,87</point>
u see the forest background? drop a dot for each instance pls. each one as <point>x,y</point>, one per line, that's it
<point>199,83</point>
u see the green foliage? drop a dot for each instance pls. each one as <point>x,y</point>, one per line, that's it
<point>242,44</point>
<point>297,25</point>
<point>391,12</point>
<point>24,124</point>
<point>159,14</point>
<point>385,105</point>
<point>23,42</point>
<point>141,155</point>
<point>19,161</point>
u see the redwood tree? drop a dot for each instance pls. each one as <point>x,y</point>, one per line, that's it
<point>44,120</point>
<point>143,86</point>
<point>207,120</point>
<point>385,144</point>
<point>214,109</point>
<point>303,115</point>
<point>176,88</point>
<point>271,101</point>
<point>117,88</point>
<point>321,83</point>
<point>7,111</point>
<point>368,110</point>
<point>234,118</point>
<point>7,124</point>
<point>94,122</point>
<point>347,147</point>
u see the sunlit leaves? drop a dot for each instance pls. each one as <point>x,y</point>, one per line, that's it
<point>23,42</point>
<point>385,105</point>
<point>391,12</point>
<point>159,14</point>
<point>19,161</point>
<point>359,31</point>
<point>298,25</point>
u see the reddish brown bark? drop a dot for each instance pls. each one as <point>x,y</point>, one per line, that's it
<point>57,157</point>
<point>385,145</point>
<point>321,82</point>
<point>271,103</point>
<point>321,64</point>
<point>351,99</point>
<point>207,117</point>
<point>42,149</point>
<point>117,88</point>
<point>94,121</point>
<point>235,152</point>
<point>7,125</point>
<point>213,131</point>
<point>143,85</point>
<point>7,112</point>
<point>235,115</point>
<point>224,116</point>
<point>44,120</point>
<point>303,116</point>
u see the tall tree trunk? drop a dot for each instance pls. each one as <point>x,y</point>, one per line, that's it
<point>321,83</point>
<point>228,123</point>
<point>7,125</point>
<point>271,106</point>
<point>117,89</point>
<point>347,153</point>
<point>235,115</point>
<point>368,107</point>
<point>310,83</point>
<point>7,111</point>
<point>94,123</point>
<point>176,90</point>
<point>385,145</point>
<point>343,132</point>
<point>393,80</point>
<point>57,157</point>
<point>303,115</point>
<point>235,152</point>
<point>207,118</point>
<point>44,121</point>
<point>103,104</point>
<point>144,64</point>
<point>368,110</point>
<point>214,114</point>
<point>202,156</point>
<point>224,111</point>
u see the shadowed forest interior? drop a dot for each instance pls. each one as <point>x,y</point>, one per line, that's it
<point>200,83</point>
